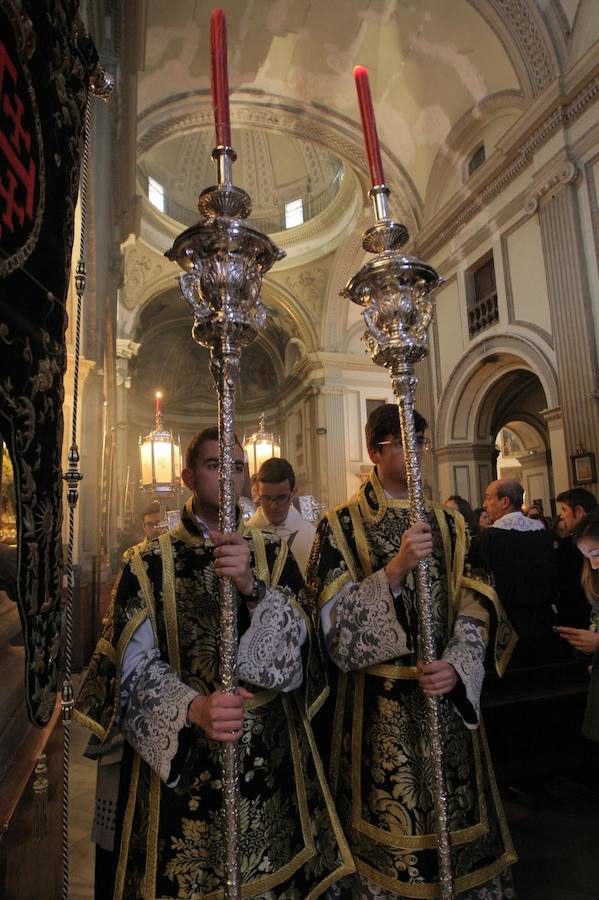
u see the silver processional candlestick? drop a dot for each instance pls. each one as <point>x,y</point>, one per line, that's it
<point>224,262</point>
<point>396,293</point>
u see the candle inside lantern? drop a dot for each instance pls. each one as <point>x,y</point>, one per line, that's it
<point>371,140</point>
<point>220,77</point>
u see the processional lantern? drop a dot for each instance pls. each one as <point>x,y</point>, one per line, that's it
<point>160,457</point>
<point>262,445</point>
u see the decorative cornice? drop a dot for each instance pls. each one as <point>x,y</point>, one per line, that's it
<point>453,219</point>
<point>461,452</point>
<point>552,415</point>
<point>567,173</point>
<point>126,349</point>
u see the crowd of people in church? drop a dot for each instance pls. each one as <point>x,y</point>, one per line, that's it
<point>331,711</point>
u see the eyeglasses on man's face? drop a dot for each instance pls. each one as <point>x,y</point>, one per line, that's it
<point>277,500</point>
<point>422,443</point>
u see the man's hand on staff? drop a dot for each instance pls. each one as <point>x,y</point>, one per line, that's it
<point>416,543</point>
<point>437,678</point>
<point>232,559</point>
<point>219,715</point>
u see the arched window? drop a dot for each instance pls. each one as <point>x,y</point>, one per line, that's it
<point>476,160</point>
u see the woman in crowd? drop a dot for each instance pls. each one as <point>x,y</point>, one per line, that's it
<point>461,505</point>
<point>481,518</point>
<point>586,538</point>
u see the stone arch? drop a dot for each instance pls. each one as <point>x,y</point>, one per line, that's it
<point>532,45</point>
<point>466,134</point>
<point>460,405</point>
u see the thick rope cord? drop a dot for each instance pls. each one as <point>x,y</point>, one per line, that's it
<point>72,476</point>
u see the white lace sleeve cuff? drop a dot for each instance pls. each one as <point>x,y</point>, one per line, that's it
<point>154,704</point>
<point>269,654</point>
<point>465,651</point>
<point>361,626</point>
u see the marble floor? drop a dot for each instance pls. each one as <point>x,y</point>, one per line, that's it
<point>554,826</point>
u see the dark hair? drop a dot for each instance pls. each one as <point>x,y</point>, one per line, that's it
<point>465,509</point>
<point>588,528</point>
<point>150,509</point>
<point>476,514</point>
<point>512,489</point>
<point>275,470</point>
<point>193,448</point>
<point>578,497</point>
<point>384,420</point>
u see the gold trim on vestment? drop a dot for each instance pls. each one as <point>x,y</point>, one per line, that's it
<point>337,734</point>
<point>260,561</point>
<point>277,569</point>
<point>169,602</point>
<point>261,698</point>
<point>126,634</point>
<point>138,569</point>
<point>347,866</point>
<point>105,647</point>
<point>152,838</point>
<point>394,673</point>
<point>333,588</point>
<point>503,825</point>
<point>388,838</point>
<point>439,515</point>
<point>91,724</point>
<point>480,587</point>
<point>360,539</point>
<point>418,890</point>
<point>126,833</point>
<point>339,537</point>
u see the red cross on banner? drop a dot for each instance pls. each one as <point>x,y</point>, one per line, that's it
<point>17,167</point>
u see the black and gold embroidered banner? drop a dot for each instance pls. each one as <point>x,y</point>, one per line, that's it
<point>44,75</point>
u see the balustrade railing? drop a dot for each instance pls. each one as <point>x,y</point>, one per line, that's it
<point>483,314</point>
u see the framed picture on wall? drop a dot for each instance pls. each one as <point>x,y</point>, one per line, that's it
<point>583,468</point>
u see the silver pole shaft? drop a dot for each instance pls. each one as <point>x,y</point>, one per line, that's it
<point>403,387</point>
<point>225,370</point>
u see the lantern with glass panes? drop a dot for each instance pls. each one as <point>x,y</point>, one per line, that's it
<point>260,446</point>
<point>160,457</point>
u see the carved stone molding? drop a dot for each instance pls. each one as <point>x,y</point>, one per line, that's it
<point>524,30</point>
<point>339,135</point>
<point>552,415</point>
<point>567,173</point>
<point>456,217</point>
<point>126,349</point>
<point>142,268</point>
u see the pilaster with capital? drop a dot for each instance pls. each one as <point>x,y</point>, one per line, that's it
<point>125,351</point>
<point>556,203</point>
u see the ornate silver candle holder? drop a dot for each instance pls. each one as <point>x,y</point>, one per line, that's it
<point>224,262</point>
<point>396,293</point>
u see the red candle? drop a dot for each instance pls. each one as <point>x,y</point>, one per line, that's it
<point>158,397</point>
<point>220,77</point>
<point>371,140</point>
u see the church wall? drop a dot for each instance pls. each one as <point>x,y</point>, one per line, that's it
<point>524,275</point>
<point>449,337</point>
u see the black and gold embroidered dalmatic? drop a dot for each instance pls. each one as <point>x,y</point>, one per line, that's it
<point>380,771</point>
<point>170,834</point>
